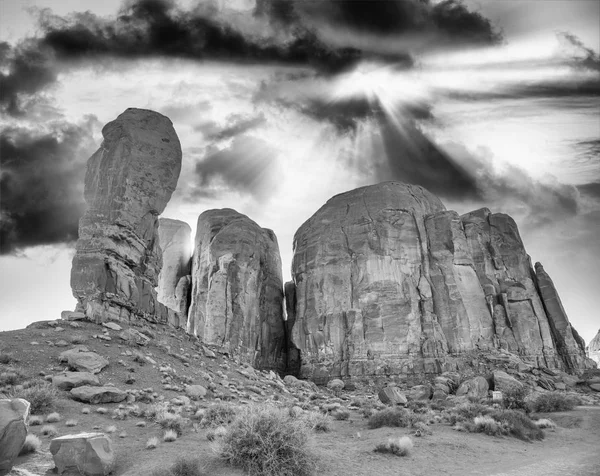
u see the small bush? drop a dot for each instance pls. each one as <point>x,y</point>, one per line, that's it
<point>71,423</point>
<point>341,414</point>
<point>486,424</point>
<point>10,378</point>
<point>32,444</point>
<point>35,420</point>
<point>467,412</point>
<point>170,421</point>
<point>268,442</point>
<point>317,421</point>
<point>101,410</point>
<point>218,415</point>
<point>182,467</point>
<point>399,447</point>
<point>123,434</point>
<point>49,430</point>
<point>552,402</point>
<point>218,432</point>
<point>420,429</point>
<point>110,429</point>
<point>140,424</point>
<point>513,397</point>
<point>42,396</point>
<point>85,410</point>
<point>53,418</point>
<point>392,417</point>
<point>152,443</point>
<point>545,423</point>
<point>170,436</point>
<point>518,424</point>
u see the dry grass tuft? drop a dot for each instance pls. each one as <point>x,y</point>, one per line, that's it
<point>49,430</point>
<point>71,423</point>
<point>396,446</point>
<point>53,418</point>
<point>35,420</point>
<point>32,445</point>
<point>170,436</point>
<point>152,443</point>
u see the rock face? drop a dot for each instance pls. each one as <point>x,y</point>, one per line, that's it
<point>89,454</point>
<point>593,349</point>
<point>128,183</point>
<point>388,282</point>
<point>237,289</point>
<point>12,432</point>
<point>175,244</point>
<point>95,395</point>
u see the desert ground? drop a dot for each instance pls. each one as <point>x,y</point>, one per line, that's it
<point>172,359</point>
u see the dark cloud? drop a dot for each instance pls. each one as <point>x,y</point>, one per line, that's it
<point>41,184</point>
<point>238,125</point>
<point>449,19</point>
<point>590,189</point>
<point>247,165</point>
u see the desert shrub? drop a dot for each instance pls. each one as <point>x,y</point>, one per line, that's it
<point>317,421</point>
<point>396,446</point>
<point>171,421</point>
<point>218,432</point>
<point>513,397</point>
<point>552,402</point>
<point>393,417</point>
<point>35,420</point>
<point>101,410</point>
<point>41,396</point>
<point>11,377</point>
<point>341,414</point>
<point>140,424</point>
<point>110,429</point>
<point>49,430</point>
<point>170,436</point>
<point>85,410</point>
<point>218,415</point>
<point>32,444</point>
<point>5,359</point>
<point>123,434</point>
<point>53,417</point>
<point>486,424</point>
<point>182,467</point>
<point>545,423</point>
<point>420,429</point>
<point>71,423</point>
<point>418,406</point>
<point>152,443</point>
<point>268,442</point>
<point>467,412</point>
<point>518,424</point>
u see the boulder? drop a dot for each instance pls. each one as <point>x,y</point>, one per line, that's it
<point>134,337</point>
<point>392,396</point>
<point>237,298</point>
<point>386,281</point>
<point>195,391</point>
<point>175,244</point>
<point>476,387</point>
<point>113,326</point>
<point>336,385</point>
<point>85,361</point>
<point>504,381</point>
<point>128,183</point>
<point>95,395</point>
<point>72,316</point>
<point>69,380</point>
<point>440,392</point>
<point>595,387</point>
<point>88,454</point>
<point>13,431</point>
<point>420,392</point>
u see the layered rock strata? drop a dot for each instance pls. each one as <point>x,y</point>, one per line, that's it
<point>237,289</point>
<point>175,238</point>
<point>128,183</point>
<point>593,349</point>
<point>389,282</point>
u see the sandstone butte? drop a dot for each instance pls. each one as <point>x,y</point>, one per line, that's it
<point>386,281</point>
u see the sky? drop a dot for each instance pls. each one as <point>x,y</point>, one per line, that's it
<point>280,104</point>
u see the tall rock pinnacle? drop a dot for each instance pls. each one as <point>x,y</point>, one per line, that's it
<point>128,183</point>
<point>237,293</point>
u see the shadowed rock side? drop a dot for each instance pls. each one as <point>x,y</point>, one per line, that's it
<point>128,183</point>
<point>593,349</point>
<point>174,278</point>
<point>237,289</point>
<point>568,342</point>
<point>387,282</point>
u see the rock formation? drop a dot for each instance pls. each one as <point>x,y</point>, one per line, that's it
<point>173,280</point>
<point>237,289</point>
<point>593,349</point>
<point>388,282</point>
<point>128,183</point>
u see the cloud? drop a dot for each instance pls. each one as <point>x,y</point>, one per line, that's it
<point>238,125</point>
<point>449,20</point>
<point>41,183</point>
<point>247,165</point>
